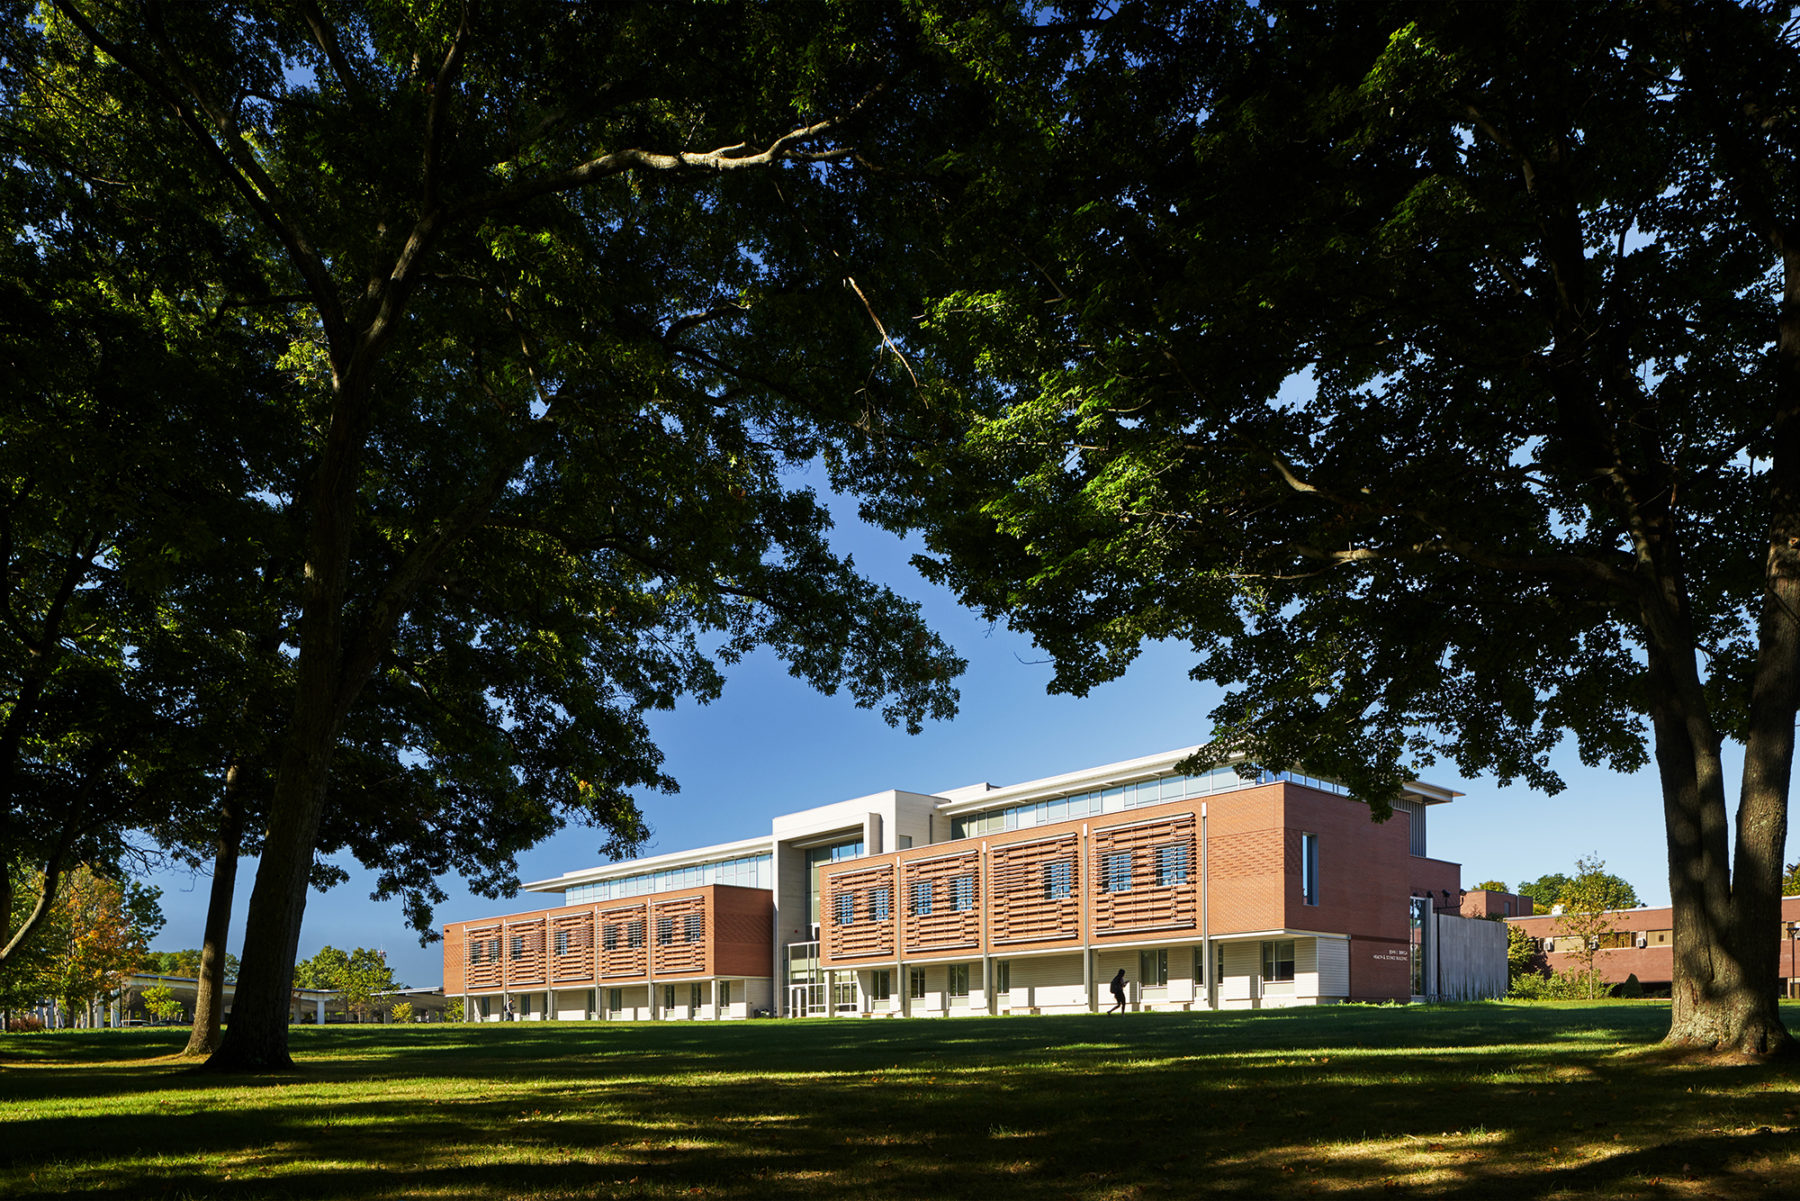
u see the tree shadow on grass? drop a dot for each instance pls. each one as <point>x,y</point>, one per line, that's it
<point>1046,1108</point>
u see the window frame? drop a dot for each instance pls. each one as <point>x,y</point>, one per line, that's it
<point>1272,961</point>
<point>1059,879</point>
<point>919,898</point>
<point>962,893</point>
<point>1112,878</point>
<point>1309,868</point>
<point>915,983</point>
<point>843,908</point>
<point>958,984</point>
<point>1173,864</point>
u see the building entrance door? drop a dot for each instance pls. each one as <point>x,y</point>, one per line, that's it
<point>806,1000</point>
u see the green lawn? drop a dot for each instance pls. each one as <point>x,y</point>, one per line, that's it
<point>1474,1101</point>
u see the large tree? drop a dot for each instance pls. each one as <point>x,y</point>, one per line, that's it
<point>572,289</point>
<point>1433,370</point>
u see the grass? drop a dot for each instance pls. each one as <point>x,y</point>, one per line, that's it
<point>1543,1100</point>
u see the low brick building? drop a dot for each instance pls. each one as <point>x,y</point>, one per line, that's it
<point>1641,942</point>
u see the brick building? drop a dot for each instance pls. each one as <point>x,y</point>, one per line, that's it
<point>1216,890</point>
<point>1641,942</point>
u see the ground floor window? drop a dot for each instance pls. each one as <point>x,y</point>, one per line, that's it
<point>1418,908</point>
<point>881,985</point>
<point>1153,968</point>
<point>668,997</point>
<point>694,996</point>
<point>1278,961</point>
<point>481,1004</point>
<point>524,1005</point>
<point>1002,976</point>
<point>959,980</point>
<point>615,999</point>
<point>915,983</point>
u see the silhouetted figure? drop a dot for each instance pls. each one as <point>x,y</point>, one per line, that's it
<point>1118,992</point>
<point>511,1013</point>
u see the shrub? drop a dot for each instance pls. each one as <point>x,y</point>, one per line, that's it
<point>1562,986</point>
<point>25,1023</point>
<point>402,1011</point>
<point>1633,987</point>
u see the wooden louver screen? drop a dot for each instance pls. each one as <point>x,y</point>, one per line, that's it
<point>482,948</point>
<point>679,955</point>
<point>572,948</point>
<point>946,926</point>
<point>1124,866</point>
<point>1036,891</point>
<point>866,891</point>
<point>623,939</point>
<point>523,946</point>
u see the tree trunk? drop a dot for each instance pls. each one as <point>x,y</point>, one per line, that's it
<point>209,993</point>
<point>257,1039</point>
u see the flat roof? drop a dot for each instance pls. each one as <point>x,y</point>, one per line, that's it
<point>717,853</point>
<point>1110,775</point>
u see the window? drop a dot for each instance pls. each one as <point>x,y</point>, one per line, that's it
<point>880,902</point>
<point>694,997</point>
<point>906,842</point>
<point>1417,909</point>
<point>1309,868</point>
<point>615,999</point>
<point>665,931</point>
<point>1172,864</point>
<point>962,893</point>
<point>475,952</point>
<point>921,897</point>
<point>1115,871</point>
<point>959,980</point>
<point>518,946</point>
<point>915,982</point>
<point>724,995</point>
<point>1278,961</point>
<point>1153,968</point>
<point>1058,878</point>
<point>525,1005</point>
<point>609,939</point>
<point>634,934</point>
<point>668,997</point>
<point>1002,976</point>
<point>843,907</point>
<point>694,927</point>
<point>1617,938</point>
<point>881,986</point>
<point>562,942</point>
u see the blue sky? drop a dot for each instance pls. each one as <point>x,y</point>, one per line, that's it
<point>772,745</point>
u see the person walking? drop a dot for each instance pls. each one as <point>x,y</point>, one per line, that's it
<point>1118,992</point>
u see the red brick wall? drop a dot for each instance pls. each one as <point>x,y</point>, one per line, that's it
<point>743,942</point>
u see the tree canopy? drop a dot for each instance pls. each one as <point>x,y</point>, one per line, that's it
<point>553,307</point>
<point>1431,370</point>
